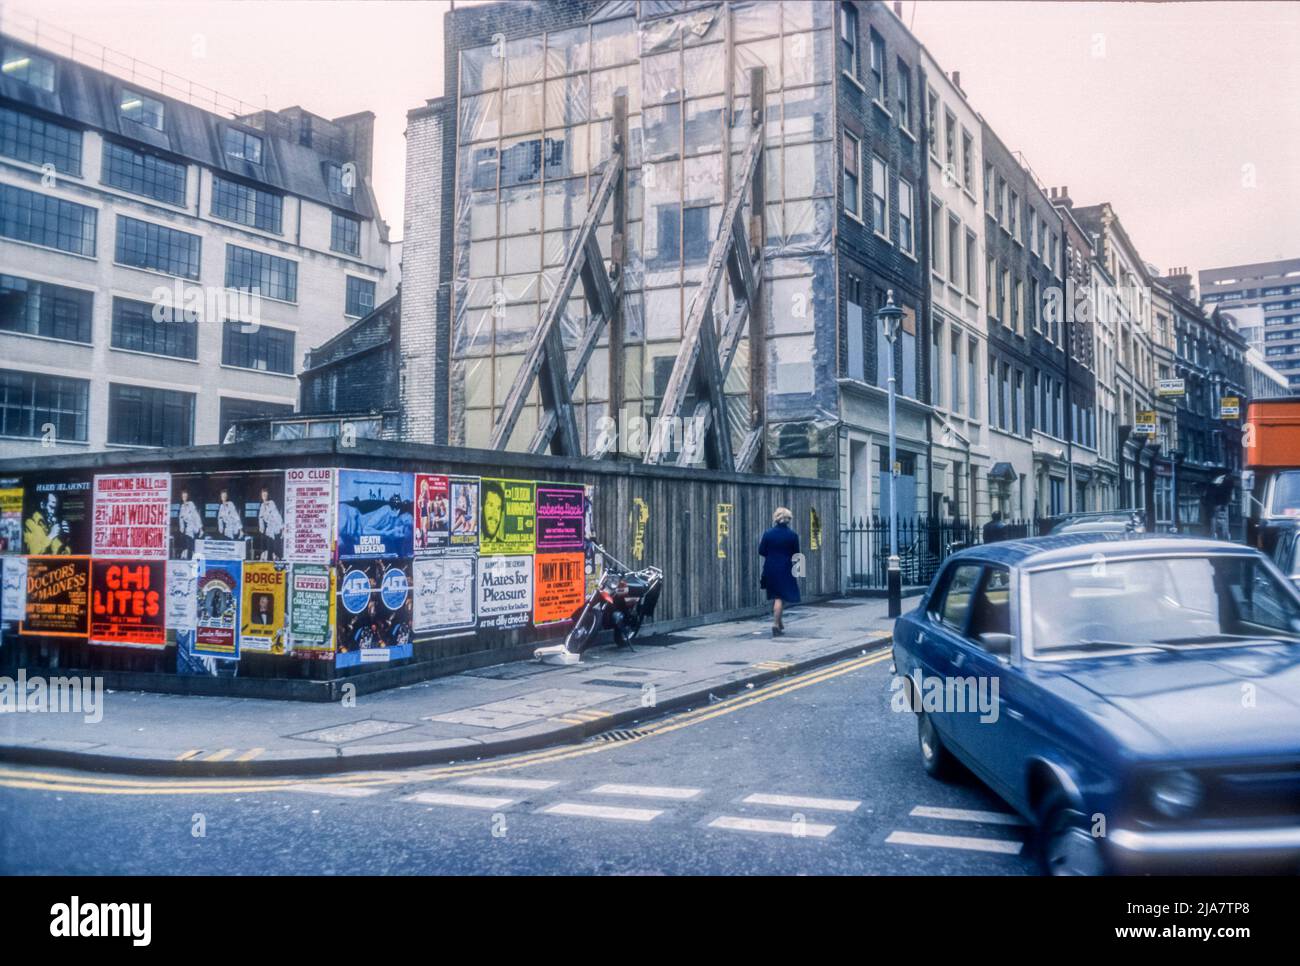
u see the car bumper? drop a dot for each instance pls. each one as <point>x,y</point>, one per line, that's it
<point>1224,849</point>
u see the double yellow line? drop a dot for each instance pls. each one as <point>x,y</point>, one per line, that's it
<point>78,784</point>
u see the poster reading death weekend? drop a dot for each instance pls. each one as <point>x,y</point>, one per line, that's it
<point>264,587</point>
<point>506,511</point>
<point>464,513</point>
<point>560,584</point>
<point>217,617</point>
<point>11,514</point>
<point>505,592</point>
<point>311,611</point>
<point>129,515</point>
<point>56,517</point>
<point>444,593</point>
<point>373,612</point>
<point>559,518</point>
<point>128,602</point>
<point>308,515</point>
<point>375,514</point>
<point>58,597</point>
<point>233,516</point>
<point>432,514</point>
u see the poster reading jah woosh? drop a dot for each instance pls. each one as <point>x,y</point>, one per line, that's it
<point>262,608</point>
<point>58,597</point>
<point>128,605</point>
<point>130,515</point>
<point>507,512</point>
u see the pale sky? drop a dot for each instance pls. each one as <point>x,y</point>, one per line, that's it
<point>1170,110</point>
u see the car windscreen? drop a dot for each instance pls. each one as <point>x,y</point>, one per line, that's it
<point>1286,494</point>
<point>1158,602</point>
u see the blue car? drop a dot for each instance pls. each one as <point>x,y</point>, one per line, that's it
<point>1136,700</point>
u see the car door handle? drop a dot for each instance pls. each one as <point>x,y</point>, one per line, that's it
<point>1014,715</point>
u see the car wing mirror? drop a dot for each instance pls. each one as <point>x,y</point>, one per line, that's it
<point>996,643</point>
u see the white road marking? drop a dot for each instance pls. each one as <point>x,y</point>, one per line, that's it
<point>646,791</point>
<point>970,844</point>
<point>462,801</point>
<point>523,784</point>
<point>339,791</point>
<point>772,827</point>
<point>799,801</point>
<point>603,811</point>
<point>967,815</point>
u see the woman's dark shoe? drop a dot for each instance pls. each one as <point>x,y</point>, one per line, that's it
<point>777,631</point>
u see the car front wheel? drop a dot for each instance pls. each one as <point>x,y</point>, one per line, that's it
<point>935,758</point>
<point>1066,846</point>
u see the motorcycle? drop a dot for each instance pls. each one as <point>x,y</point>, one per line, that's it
<point>622,601</point>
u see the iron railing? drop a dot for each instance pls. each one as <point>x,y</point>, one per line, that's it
<point>923,544</point>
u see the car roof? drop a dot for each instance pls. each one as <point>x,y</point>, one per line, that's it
<point>1067,547</point>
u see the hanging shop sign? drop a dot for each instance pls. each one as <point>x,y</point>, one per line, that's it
<point>1169,388</point>
<point>1145,423</point>
<point>1229,407</point>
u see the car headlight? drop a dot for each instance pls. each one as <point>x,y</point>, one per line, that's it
<point>1175,793</point>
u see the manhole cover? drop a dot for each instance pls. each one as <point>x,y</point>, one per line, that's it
<point>510,672</point>
<point>353,731</point>
<point>604,683</point>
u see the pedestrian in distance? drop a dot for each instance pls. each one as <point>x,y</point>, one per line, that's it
<point>778,548</point>
<point>995,529</point>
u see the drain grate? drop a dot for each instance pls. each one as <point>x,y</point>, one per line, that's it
<point>609,683</point>
<point>620,734</point>
<point>735,663</point>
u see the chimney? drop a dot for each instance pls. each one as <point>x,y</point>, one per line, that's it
<point>898,9</point>
<point>1179,281</point>
<point>956,80</point>
<point>1062,197</point>
<point>359,132</point>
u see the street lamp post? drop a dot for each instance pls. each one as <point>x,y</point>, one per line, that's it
<point>890,316</point>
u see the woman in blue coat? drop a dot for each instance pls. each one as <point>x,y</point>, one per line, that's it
<point>777,548</point>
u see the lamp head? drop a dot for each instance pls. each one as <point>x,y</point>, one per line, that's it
<point>890,316</point>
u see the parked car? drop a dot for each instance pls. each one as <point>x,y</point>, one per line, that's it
<point>1104,521</point>
<point>1286,551</point>
<point>1144,708</point>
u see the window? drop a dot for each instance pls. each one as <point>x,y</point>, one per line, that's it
<point>988,186</point>
<point>954,250</point>
<point>879,85</point>
<point>1004,401</point>
<point>340,181</point>
<point>991,612</point>
<point>953,604</point>
<point>906,231</point>
<point>235,409</point>
<point>142,244</point>
<point>141,108</point>
<point>246,205</point>
<point>852,169</point>
<point>1017,303</point>
<point>1001,201</point>
<point>954,373</point>
<point>879,196</point>
<point>990,276</point>
<point>41,220</point>
<point>1004,295</point>
<point>936,243</point>
<point>972,263</point>
<point>144,327</point>
<point>972,384</point>
<point>144,174</point>
<point>28,67</point>
<point>855,365</point>
<point>904,96</point>
<point>28,307</point>
<point>242,145</point>
<point>967,161</point>
<point>36,141</point>
<point>1032,308</point>
<point>345,234</point>
<point>260,347</point>
<point>1033,231</point>
<point>1019,414</point>
<point>267,275</point>
<point>950,142</point>
<point>31,401</point>
<point>849,39</point>
<point>1013,215</point>
<point>360,296</point>
<point>932,122</point>
<point>145,416</point>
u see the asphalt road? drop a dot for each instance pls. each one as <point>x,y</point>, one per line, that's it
<point>813,775</point>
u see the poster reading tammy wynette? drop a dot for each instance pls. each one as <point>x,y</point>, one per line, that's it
<point>128,605</point>
<point>507,516</point>
<point>129,515</point>
<point>560,587</point>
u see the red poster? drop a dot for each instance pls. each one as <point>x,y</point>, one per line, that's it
<point>128,602</point>
<point>432,514</point>
<point>559,587</point>
<point>130,515</point>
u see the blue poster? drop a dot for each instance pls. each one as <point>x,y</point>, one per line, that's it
<point>375,516</point>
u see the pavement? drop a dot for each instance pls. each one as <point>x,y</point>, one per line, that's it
<point>476,714</point>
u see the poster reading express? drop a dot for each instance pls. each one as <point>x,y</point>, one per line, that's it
<point>374,611</point>
<point>128,604</point>
<point>11,515</point>
<point>559,518</point>
<point>217,617</point>
<point>561,587</point>
<point>58,597</point>
<point>464,513</point>
<point>130,515</point>
<point>505,591</point>
<point>444,593</point>
<point>375,514</point>
<point>432,514</point>
<point>56,518</point>
<point>507,511</point>
<point>265,590</point>
<point>308,515</point>
<point>311,606</point>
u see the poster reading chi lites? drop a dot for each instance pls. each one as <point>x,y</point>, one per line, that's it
<point>464,513</point>
<point>130,515</point>
<point>507,516</point>
<point>217,609</point>
<point>128,606</point>
<point>375,514</point>
<point>432,514</point>
<point>58,597</point>
<point>505,595</point>
<point>56,517</point>
<point>262,607</point>
<point>11,514</point>
<point>374,611</point>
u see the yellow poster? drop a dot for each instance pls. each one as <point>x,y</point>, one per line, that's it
<point>262,627</point>
<point>724,529</point>
<point>11,515</point>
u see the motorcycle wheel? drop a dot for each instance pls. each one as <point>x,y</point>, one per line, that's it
<point>583,630</point>
<point>629,628</point>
